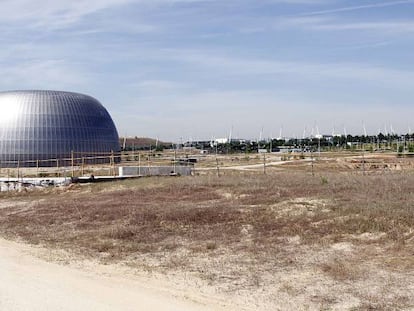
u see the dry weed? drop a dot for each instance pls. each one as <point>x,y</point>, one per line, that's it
<point>268,224</point>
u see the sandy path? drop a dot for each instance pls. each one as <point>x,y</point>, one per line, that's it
<point>251,166</point>
<point>28,283</point>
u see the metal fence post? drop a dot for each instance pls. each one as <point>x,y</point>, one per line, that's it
<point>72,164</point>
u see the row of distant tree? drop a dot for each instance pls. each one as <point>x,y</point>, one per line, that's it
<point>393,142</point>
<point>390,141</point>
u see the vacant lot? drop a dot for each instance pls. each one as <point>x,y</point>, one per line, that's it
<point>284,240</point>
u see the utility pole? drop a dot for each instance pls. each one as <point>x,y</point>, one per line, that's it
<point>313,174</point>
<point>217,162</point>
<point>175,161</point>
<point>363,160</point>
<point>319,148</point>
<point>72,160</point>
<point>139,163</point>
<point>112,163</point>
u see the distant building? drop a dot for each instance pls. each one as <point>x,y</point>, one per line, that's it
<point>221,140</point>
<point>232,140</point>
<point>36,126</point>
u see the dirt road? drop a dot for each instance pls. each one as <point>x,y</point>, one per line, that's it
<point>30,284</point>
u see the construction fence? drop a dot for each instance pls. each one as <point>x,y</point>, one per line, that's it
<point>142,163</point>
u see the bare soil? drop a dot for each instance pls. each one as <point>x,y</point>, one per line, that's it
<point>30,283</point>
<point>284,240</point>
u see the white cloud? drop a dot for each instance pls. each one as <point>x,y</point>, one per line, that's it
<point>358,7</point>
<point>159,86</point>
<point>232,65</point>
<point>300,1</point>
<point>55,13</point>
<point>391,27</point>
<point>195,72</point>
<point>43,74</point>
<point>323,23</point>
<point>207,114</point>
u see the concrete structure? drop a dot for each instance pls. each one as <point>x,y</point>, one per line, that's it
<point>36,126</point>
<point>155,170</point>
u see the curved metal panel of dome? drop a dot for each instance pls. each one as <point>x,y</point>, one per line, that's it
<point>42,125</point>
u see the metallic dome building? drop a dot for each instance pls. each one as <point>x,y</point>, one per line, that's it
<point>42,127</point>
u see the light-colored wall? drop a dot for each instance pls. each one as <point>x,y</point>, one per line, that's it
<point>154,170</point>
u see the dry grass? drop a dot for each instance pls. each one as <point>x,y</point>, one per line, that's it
<point>333,238</point>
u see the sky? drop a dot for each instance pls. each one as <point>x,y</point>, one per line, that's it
<point>200,69</point>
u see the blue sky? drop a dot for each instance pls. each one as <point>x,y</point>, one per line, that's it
<point>194,69</point>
